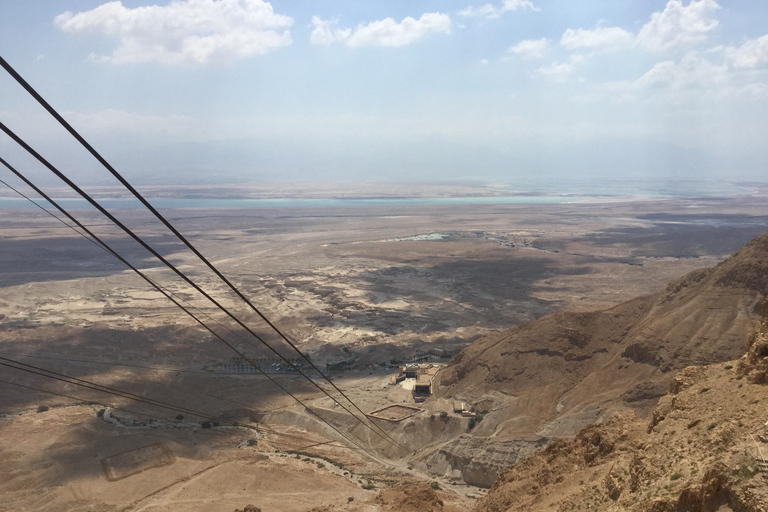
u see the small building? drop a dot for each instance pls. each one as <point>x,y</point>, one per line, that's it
<point>423,385</point>
<point>425,376</point>
<point>397,379</point>
<point>410,370</point>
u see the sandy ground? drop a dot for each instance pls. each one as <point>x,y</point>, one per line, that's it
<point>361,285</point>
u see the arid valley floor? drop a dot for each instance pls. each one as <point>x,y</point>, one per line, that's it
<point>358,288</point>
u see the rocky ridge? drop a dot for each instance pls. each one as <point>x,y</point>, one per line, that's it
<point>547,379</point>
<point>704,449</point>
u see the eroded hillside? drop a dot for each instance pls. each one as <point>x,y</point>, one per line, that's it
<point>549,378</point>
<point>704,449</point>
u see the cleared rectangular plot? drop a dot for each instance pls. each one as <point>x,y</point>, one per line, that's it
<point>394,412</point>
<point>135,461</point>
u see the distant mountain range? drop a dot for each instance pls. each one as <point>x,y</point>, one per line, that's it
<point>283,160</point>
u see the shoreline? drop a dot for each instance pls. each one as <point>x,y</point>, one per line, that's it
<point>224,203</point>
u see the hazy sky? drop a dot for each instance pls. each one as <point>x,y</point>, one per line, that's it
<point>392,89</point>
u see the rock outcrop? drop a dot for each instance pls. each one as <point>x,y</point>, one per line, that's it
<point>704,449</point>
<point>555,375</point>
<point>478,461</point>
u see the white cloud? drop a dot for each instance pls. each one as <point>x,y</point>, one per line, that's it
<point>758,91</point>
<point>530,48</point>
<point>386,32</point>
<point>560,71</point>
<point>691,72</point>
<point>323,32</point>
<point>688,78</point>
<point>678,24</point>
<point>491,11</point>
<point>184,32</point>
<point>749,55</point>
<point>601,38</point>
<point>714,75</point>
<point>513,5</point>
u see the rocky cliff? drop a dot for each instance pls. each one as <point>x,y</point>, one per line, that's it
<point>547,379</point>
<point>554,375</point>
<point>704,449</point>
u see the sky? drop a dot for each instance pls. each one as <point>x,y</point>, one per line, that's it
<point>512,91</point>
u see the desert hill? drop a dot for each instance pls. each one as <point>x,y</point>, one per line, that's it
<point>551,377</point>
<point>704,449</point>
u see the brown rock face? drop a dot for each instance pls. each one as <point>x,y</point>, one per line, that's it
<point>410,498</point>
<point>566,370</point>
<point>754,364</point>
<point>701,453</point>
<point>249,508</point>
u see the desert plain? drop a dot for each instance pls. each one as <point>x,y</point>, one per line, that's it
<point>360,289</point>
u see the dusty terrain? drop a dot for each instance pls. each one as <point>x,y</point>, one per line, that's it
<point>704,448</point>
<point>359,286</point>
<point>551,377</point>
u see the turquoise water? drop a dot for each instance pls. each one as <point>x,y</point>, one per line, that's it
<point>552,193</point>
<point>122,204</point>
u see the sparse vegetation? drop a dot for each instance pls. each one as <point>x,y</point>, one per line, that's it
<point>42,408</point>
<point>748,467</point>
<point>474,420</point>
<point>672,434</point>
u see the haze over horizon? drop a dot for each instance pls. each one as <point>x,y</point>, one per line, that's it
<point>228,91</point>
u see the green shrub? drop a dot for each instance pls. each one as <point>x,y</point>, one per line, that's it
<point>42,408</point>
<point>675,476</point>
<point>748,468</point>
